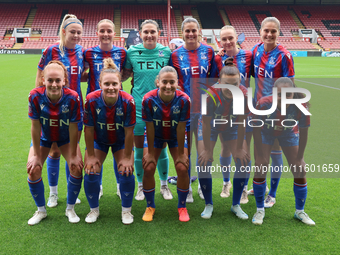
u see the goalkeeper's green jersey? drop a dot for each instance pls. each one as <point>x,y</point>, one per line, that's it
<point>145,65</point>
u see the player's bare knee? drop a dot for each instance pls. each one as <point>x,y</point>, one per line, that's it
<point>149,170</point>
<point>181,170</point>
<point>75,171</point>
<point>54,153</point>
<point>35,173</point>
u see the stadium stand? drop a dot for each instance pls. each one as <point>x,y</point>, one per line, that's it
<point>133,15</point>
<point>330,43</point>
<point>325,19</point>
<point>12,16</point>
<point>290,43</point>
<point>245,18</point>
<point>186,9</point>
<point>90,15</point>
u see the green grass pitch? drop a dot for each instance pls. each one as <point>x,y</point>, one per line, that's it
<point>222,234</point>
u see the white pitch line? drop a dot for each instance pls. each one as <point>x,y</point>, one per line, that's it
<point>318,84</point>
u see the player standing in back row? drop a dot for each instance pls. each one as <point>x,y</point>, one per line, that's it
<point>193,60</point>
<point>94,57</point>
<point>243,61</point>
<point>271,61</point>
<point>145,60</point>
<point>70,53</point>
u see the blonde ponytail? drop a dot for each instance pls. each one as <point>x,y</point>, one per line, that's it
<point>68,19</point>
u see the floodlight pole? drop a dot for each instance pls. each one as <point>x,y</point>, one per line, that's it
<point>169,20</point>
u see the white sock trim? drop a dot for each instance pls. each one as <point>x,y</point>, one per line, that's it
<point>126,209</point>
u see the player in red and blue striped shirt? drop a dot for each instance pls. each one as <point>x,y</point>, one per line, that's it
<point>243,61</point>
<point>270,62</point>
<point>94,57</point>
<point>110,116</point>
<point>194,62</point>
<point>70,53</point>
<point>291,130</point>
<point>166,111</point>
<point>220,107</point>
<point>55,112</point>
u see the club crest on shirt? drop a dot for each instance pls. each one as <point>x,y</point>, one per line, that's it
<point>42,106</point>
<point>203,55</point>
<point>132,101</point>
<point>288,55</point>
<point>181,57</point>
<point>95,56</point>
<point>80,55</point>
<point>272,61</point>
<point>175,109</point>
<point>64,109</point>
<point>119,112</point>
<point>98,110</point>
<point>257,54</point>
<point>155,108</point>
<point>140,52</point>
<point>116,56</point>
<point>243,60</point>
<point>160,53</point>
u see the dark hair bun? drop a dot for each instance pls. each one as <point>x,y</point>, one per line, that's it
<point>229,62</point>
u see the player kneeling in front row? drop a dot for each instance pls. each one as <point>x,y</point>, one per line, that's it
<point>55,112</point>
<point>110,115</point>
<point>231,136</point>
<point>293,141</point>
<point>166,111</point>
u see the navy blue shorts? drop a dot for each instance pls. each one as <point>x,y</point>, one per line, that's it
<point>158,143</point>
<point>286,141</point>
<point>226,135</point>
<point>105,147</point>
<point>48,144</point>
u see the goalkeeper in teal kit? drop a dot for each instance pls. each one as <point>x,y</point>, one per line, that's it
<point>145,60</point>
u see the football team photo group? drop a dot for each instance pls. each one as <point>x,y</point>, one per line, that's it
<point>169,127</point>
<point>160,121</point>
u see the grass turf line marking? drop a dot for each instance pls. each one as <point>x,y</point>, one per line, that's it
<point>318,84</point>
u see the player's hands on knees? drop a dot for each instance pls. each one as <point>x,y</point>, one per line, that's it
<point>125,167</point>
<point>262,167</point>
<point>243,156</point>
<point>147,159</point>
<point>205,157</point>
<point>34,163</point>
<point>76,164</point>
<point>183,158</point>
<point>92,165</point>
